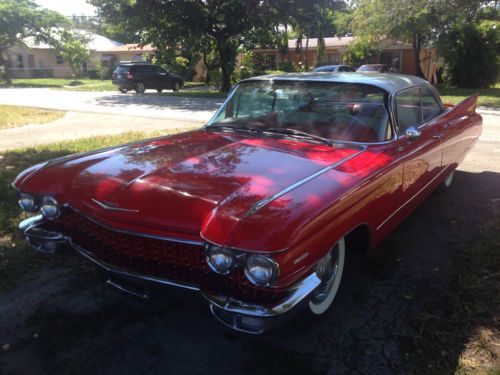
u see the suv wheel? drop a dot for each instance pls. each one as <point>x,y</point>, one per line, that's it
<point>140,88</point>
<point>177,86</point>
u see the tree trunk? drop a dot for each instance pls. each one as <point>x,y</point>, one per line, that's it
<point>277,48</point>
<point>417,44</point>
<point>307,55</point>
<point>5,65</point>
<point>227,59</point>
<point>288,56</point>
<point>207,68</point>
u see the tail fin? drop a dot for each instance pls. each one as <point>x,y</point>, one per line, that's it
<point>466,106</point>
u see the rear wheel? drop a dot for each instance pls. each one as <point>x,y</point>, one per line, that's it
<point>177,86</point>
<point>123,91</point>
<point>140,88</point>
<point>329,270</point>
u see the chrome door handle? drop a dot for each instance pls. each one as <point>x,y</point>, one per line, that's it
<point>400,148</point>
<point>438,136</point>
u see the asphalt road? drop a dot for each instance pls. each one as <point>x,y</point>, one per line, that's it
<point>65,320</point>
<point>149,105</point>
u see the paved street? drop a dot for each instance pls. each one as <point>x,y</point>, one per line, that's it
<point>149,104</point>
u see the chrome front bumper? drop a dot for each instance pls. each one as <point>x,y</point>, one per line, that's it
<point>234,313</point>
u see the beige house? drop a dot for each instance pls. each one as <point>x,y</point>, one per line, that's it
<point>39,60</point>
<point>392,52</point>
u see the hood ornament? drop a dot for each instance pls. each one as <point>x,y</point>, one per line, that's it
<point>112,207</point>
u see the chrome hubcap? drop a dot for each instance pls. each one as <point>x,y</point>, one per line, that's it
<point>327,270</point>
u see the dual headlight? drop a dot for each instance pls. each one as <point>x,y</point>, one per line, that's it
<point>48,205</point>
<point>260,270</point>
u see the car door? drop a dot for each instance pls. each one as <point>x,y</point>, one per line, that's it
<point>163,78</point>
<point>419,142</point>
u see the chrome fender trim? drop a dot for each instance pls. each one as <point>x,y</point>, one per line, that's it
<point>264,202</point>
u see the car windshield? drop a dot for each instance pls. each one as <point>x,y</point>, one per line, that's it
<point>315,110</point>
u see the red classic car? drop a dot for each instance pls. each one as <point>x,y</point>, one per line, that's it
<point>262,208</point>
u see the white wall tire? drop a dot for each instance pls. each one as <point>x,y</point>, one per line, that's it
<point>323,297</point>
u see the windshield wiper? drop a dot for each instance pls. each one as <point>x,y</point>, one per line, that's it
<point>233,128</point>
<point>299,134</point>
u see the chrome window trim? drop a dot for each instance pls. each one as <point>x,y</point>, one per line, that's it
<point>422,124</point>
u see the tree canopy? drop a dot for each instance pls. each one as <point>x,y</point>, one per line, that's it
<point>23,18</point>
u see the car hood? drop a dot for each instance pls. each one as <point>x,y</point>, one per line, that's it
<point>180,185</point>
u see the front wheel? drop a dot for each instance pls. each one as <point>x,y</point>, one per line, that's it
<point>140,88</point>
<point>329,270</point>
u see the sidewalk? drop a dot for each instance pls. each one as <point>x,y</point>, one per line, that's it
<point>76,125</point>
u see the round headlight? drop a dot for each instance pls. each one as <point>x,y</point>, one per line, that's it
<point>261,270</point>
<point>219,259</point>
<point>50,208</point>
<point>27,202</point>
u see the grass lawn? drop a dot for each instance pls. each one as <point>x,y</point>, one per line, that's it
<point>14,116</point>
<point>15,256</point>
<point>487,97</point>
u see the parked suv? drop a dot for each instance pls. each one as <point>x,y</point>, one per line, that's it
<point>141,76</point>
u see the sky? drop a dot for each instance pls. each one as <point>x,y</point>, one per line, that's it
<point>68,7</point>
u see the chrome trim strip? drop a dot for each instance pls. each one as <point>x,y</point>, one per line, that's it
<point>111,208</point>
<point>298,293</point>
<point>263,202</point>
<point>413,197</point>
<point>110,282</point>
<point>146,235</point>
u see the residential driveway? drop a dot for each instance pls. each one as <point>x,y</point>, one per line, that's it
<point>149,104</point>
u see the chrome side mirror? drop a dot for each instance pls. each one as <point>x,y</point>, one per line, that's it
<point>412,133</point>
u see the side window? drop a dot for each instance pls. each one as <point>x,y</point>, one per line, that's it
<point>159,70</point>
<point>430,104</point>
<point>408,109</point>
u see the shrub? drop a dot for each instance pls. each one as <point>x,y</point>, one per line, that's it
<point>471,54</point>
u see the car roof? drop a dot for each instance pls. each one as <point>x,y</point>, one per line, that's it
<point>388,82</point>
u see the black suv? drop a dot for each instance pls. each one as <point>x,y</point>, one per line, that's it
<point>141,76</point>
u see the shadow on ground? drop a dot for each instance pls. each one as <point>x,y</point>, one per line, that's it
<point>154,101</point>
<point>63,319</point>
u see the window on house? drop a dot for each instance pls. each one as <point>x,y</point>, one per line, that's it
<point>59,59</point>
<point>18,61</point>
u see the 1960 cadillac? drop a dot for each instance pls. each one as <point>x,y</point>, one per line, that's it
<point>261,209</point>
